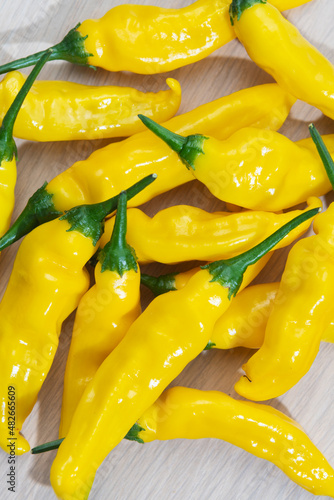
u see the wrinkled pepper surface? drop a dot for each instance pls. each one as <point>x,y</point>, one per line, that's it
<point>115,167</point>
<point>302,311</point>
<point>147,39</point>
<point>67,111</point>
<point>244,323</point>
<point>45,286</point>
<point>260,170</point>
<point>182,233</point>
<point>104,315</point>
<point>277,46</point>
<point>154,351</point>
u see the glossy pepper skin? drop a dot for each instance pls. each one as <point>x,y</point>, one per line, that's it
<point>184,413</point>
<point>45,286</point>
<point>147,39</point>
<point>154,351</point>
<point>260,170</point>
<point>104,315</point>
<point>8,151</point>
<point>278,47</point>
<point>301,313</point>
<point>114,167</point>
<point>67,111</point>
<point>245,321</point>
<point>259,429</point>
<point>182,233</point>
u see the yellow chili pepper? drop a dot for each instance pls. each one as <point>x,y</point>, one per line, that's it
<point>66,111</point>
<point>8,151</point>
<point>182,233</point>
<point>160,343</point>
<point>278,47</point>
<point>301,312</point>
<point>147,39</point>
<point>252,168</point>
<point>46,284</point>
<point>183,413</point>
<point>104,315</point>
<point>109,170</point>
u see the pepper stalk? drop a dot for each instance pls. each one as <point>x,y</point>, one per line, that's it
<point>71,49</point>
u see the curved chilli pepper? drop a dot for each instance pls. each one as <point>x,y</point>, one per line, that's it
<point>8,151</point>
<point>277,46</point>
<point>154,351</point>
<point>182,233</point>
<point>184,413</point>
<point>104,315</point>
<point>301,313</point>
<point>147,39</point>
<point>118,165</point>
<point>252,168</point>
<point>46,284</point>
<point>67,111</point>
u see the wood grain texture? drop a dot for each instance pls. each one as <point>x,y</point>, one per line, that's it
<point>207,469</point>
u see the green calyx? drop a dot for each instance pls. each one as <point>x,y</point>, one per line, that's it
<point>325,156</point>
<point>71,49</point>
<point>39,209</point>
<point>237,7</point>
<point>132,435</point>
<point>7,144</point>
<point>229,273</point>
<point>159,284</point>
<point>117,255</point>
<point>188,148</point>
<point>89,219</point>
<point>209,345</point>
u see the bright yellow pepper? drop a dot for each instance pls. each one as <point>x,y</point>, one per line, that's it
<point>183,413</point>
<point>104,315</point>
<point>8,151</point>
<point>259,429</point>
<point>302,311</point>
<point>182,233</point>
<point>147,39</point>
<point>46,284</point>
<point>261,170</point>
<point>115,167</point>
<point>67,111</point>
<point>278,47</point>
<point>172,331</point>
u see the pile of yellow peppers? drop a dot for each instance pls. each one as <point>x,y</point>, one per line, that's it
<point>85,243</point>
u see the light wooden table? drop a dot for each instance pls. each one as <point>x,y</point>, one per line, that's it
<point>178,470</point>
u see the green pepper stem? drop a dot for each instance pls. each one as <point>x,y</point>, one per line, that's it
<point>229,273</point>
<point>89,219</point>
<point>159,284</point>
<point>174,141</point>
<point>40,209</point>
<point>71,49</point>
<point>117,255</point>
<point>7,144</point>
<point>325,156</point>
<point>237,7</point>
<point>132,435</point>
<point>188,148</point>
